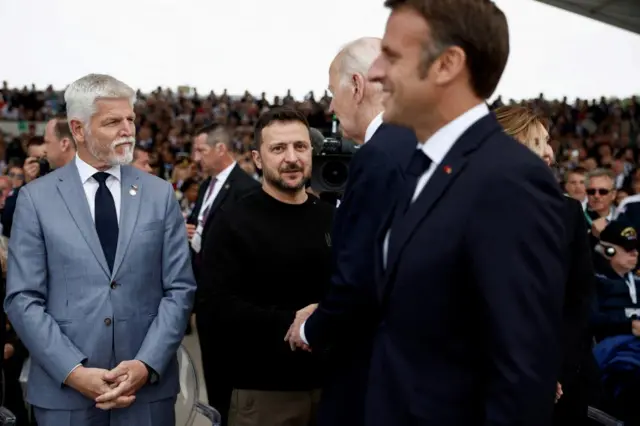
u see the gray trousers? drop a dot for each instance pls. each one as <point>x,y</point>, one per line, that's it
<point>158,413</point>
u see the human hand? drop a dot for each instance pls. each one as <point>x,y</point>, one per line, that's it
<point>559,392</point>
<point>598,226</point>
<point>130,376</point>
<point>293,334</point>
<point>635,328</point>
<point>191,229</point>
<point>8,350</point>
<point>91,383</point>
<point>31,169</point>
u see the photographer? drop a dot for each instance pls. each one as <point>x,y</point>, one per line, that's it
<point>35,165</point>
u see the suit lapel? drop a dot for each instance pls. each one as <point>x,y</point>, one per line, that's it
<point>220,197</point>
<point>444,175</point>
<point>131,194</point>
<point>73,195</point>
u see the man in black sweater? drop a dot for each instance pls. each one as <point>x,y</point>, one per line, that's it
<point>266,257</point>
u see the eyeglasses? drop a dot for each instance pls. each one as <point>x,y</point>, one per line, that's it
<point>600,191</point>
<point>15,175</point>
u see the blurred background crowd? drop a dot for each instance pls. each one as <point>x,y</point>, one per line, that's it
<point>584,133</point>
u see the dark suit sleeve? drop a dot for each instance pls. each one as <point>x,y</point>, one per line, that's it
<point>579,291</point>
<point>7,214</point>
<point>517,247</point>
<point>348,303</point>
<point>227,281</point>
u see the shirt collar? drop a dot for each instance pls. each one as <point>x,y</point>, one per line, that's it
<point>87,171</point>
<point>373,127</point>
<point>439,144</point>
<point>223,175</point>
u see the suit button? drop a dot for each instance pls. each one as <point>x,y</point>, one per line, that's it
<point>107,322</point>
<point>113,285</point>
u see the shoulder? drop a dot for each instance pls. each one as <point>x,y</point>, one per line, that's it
<point>393,139</point>
<point>241,177</point>
<point>47,182</point>
<point>630,201</point>
<point>150,182</point>
<point>323,207</point>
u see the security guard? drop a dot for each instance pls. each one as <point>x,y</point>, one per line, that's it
<point>617,282</point>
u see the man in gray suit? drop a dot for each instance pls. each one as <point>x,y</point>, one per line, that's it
<point>100,286</point>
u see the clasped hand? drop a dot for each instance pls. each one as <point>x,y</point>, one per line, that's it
<point>110,389</point>
<point>293,335</point>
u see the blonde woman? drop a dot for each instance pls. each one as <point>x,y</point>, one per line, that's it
<point>578,377</point>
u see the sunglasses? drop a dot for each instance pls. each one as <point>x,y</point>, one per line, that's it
<point>600,191</point>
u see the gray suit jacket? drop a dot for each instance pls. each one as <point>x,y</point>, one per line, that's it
<point>66,306</point>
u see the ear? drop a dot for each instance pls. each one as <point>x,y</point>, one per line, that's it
<point>358,82</point>
<point>77,130</point>
<point>449,65</point>
<point>256,159</point>
<point>65,144</point>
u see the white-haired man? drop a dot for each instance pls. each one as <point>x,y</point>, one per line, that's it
<point>345,319</point>
<point>100,285</point>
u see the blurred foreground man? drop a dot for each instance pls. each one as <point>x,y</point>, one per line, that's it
<point>99,285</point>
<point>472,262</point>
<point>266,257</point>
<point>346,319</point>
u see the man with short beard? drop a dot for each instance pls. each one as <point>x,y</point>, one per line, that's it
<point>265,257</point>
<point>99,283</point>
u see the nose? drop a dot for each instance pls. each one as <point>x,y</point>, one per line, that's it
<point>290,155</point>
<point>128,128</point>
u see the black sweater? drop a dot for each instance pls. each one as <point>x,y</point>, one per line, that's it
<point>263,261</point>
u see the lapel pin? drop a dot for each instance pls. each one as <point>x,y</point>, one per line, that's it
<point>227,186</point>
<point>134,190</point>
<point>447,170</point>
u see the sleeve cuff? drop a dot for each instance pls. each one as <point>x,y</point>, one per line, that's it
<point>302,335</point>
<point>72,370</point>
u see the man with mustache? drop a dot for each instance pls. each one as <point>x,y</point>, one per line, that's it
<point>267,256</point>
<point>99,284</point>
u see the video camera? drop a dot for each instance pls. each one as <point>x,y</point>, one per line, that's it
<point>331,157</point>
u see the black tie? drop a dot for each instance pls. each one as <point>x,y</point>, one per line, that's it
<point>106,219</point>
<point>418,165</point>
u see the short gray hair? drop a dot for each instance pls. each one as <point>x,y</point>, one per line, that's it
<point>599,173</point>
<point>82,94</point>
<point>356,57</point>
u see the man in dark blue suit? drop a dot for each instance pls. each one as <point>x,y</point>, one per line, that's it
<point>345,320</point>
<point>471,263</point>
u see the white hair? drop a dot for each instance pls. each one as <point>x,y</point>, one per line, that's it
<point>357,57</point>
<point>82,94</point>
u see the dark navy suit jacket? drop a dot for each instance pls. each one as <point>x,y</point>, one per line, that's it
<point>346,319</point>
<point>472,294</point>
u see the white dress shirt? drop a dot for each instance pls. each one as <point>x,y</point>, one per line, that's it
<point>90,185</point>
<point>436,148</point>
<point>372,128</point>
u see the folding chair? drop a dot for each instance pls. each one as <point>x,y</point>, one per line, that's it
<point>603,418</point>
<point>188,405</point>
<point>7,418</point>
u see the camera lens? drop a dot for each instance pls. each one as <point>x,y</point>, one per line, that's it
<point>335,173</point>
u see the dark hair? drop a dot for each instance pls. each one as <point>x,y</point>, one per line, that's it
<point>62,130</point>
<point>278,114</point>
<point>137,148</point>
<point>216,133</point>
<point>35,141</point>
<point>478,27</point>
<point>187,183</point>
